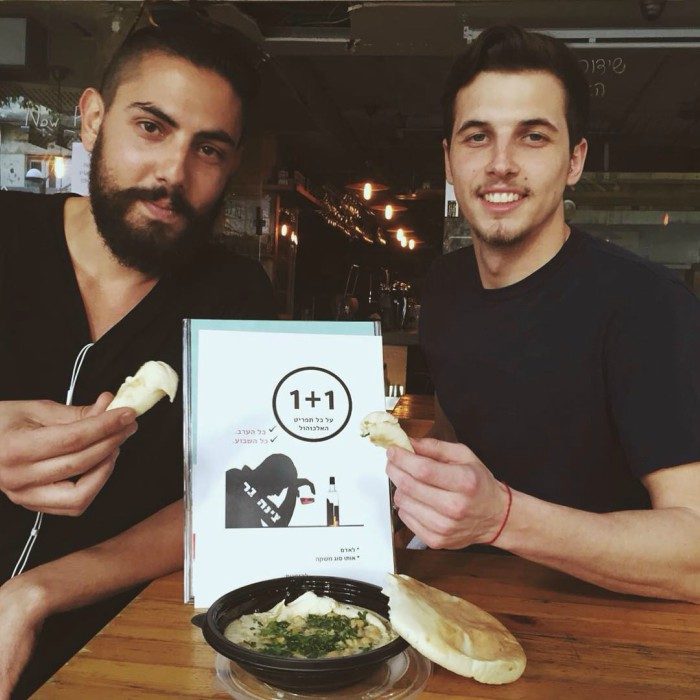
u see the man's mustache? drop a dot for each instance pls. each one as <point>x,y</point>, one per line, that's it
<point>178,203</point>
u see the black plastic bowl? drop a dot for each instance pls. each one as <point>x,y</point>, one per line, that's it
<point>292,673</point>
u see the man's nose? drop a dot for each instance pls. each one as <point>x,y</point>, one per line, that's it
<point>503,163</point>
<point>171,168</point>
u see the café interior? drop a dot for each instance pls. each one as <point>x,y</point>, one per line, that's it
<point>342,194</point>
<point>342,198</point>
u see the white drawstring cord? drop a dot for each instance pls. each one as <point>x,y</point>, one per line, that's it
<point>34,533</point>
<point>76,369</point>
<point>24,557</point>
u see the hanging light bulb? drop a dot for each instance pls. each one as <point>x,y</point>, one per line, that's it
<point>284,229</point>
<point>400,234</point>
<point>59,167</point>
<point>404,242</point>
<point>411,244</point>
<point>362,186</point>
<point>665,219</point>
<point>387,210</point>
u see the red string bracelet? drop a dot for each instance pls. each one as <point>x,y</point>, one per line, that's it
<point>505,517</point>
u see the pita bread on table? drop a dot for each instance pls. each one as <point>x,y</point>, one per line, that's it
<point>452,632</point>
<point>384,430</point>
<point>153,381</point>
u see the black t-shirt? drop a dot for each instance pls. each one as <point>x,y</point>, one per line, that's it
<point>574,382</point>
<point>43,326</point>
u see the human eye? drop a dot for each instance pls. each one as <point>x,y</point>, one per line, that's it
<point>535,138</point>
<point>150,128</point>
<point>211,153</point>
<point>475,139</point>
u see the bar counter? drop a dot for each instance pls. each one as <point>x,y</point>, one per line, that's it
<point>581,642</point>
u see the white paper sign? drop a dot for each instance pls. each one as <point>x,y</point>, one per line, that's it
<point>80,169</point>
<point>281,482</point>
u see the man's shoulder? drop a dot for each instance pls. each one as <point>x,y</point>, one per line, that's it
<point>29,213</point>
<point>224,284</point>
<point>216,263</point>
<point>18,198</point>
<point>632,274</point>
<point>14,206</point>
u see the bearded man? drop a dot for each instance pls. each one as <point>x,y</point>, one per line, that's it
<point>90,289</point>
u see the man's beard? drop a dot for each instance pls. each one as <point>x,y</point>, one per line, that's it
<point>152,247</point>
<point>500,235</point>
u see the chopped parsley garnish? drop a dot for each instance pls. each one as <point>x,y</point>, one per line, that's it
<point>321,635</point>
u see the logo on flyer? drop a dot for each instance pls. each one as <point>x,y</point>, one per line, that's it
<point>312,404</point>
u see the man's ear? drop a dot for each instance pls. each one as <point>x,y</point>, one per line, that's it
<point>92,111</point>
<point>448,169</point>
<point>577,161</point>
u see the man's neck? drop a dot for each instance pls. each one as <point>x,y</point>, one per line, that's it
<point>502,266</point>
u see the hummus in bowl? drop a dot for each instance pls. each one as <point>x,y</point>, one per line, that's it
<point>311,627</point>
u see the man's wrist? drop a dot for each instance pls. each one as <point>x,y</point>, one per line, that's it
<point>501,515</point>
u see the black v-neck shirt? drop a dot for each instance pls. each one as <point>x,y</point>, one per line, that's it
<point>576,381</point>
<point>43,326</point>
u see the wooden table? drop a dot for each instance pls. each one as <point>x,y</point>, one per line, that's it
<point>581,642</point>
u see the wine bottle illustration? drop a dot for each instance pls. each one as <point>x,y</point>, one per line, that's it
<point>332,505</point>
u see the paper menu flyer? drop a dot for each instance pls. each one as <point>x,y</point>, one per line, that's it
<point>278,479</point>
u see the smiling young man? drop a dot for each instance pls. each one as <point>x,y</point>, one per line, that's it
<point>567,370</point>
<point>96,287</point>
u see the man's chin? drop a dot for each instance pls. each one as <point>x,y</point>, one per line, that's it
<point>140,223</point>
<point>500,235</point>
<point>150,247</point>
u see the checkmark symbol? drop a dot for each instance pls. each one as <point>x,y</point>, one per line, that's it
<point>272,428</point>
<point>274,438</point>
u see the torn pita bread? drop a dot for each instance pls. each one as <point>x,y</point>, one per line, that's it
<point>153,381</point>
<point>452,632</point>
<point>384,430</point>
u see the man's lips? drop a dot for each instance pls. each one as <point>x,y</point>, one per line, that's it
<point>161,210</point>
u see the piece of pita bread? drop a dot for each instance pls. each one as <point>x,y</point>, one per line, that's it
<point>452,632</point>
<point>153,381</point>
<point>384,430</point>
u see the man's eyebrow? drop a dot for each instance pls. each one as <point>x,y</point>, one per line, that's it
<point>470,124</point>
<point>217,135</point>
<point>536,121</point>
<point>208,135</point>
<point>155,111</point>
<point>539,121</point>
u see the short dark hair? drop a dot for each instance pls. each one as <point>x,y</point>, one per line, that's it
<point>508,49</point>
<point>197,44</point>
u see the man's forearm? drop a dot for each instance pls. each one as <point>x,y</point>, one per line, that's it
<point>150,549</point>
<point>651,553</point>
